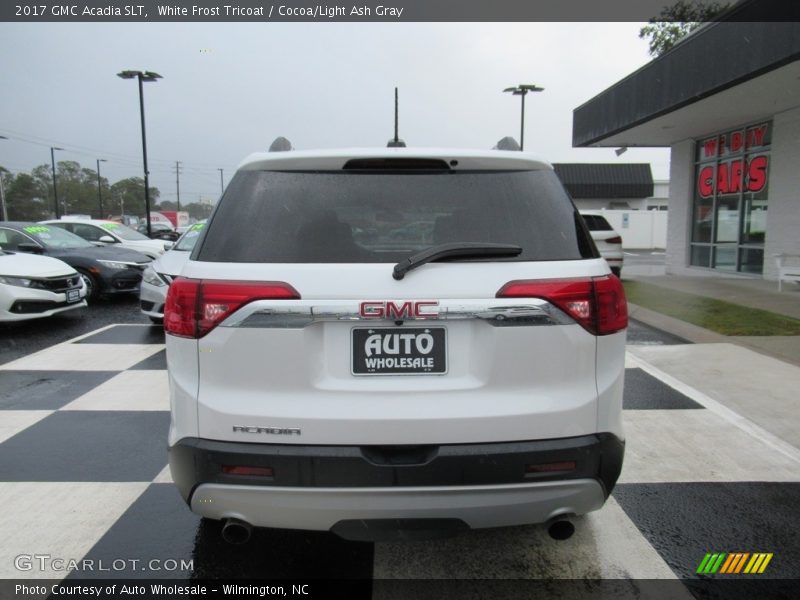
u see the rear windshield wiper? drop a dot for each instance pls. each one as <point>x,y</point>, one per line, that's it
<point>453,250</point>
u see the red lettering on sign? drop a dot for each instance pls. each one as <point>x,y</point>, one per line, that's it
<point>755,135</point>
<point>730,175</point>
<point>710,148</point>
<point>705,182</point>
<point>737,141</point>
<point>737,170</point>
<point>722,178</point>
<point>757,174</point>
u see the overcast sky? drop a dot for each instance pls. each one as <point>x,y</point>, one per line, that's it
<point>230,88</point>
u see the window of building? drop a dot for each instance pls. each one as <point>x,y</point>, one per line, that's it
<point>730,199</point>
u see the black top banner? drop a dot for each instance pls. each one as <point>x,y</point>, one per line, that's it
<point>406,11</point>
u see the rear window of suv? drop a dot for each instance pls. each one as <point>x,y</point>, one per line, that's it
<point>386,216</point>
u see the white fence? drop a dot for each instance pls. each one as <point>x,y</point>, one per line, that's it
<point>640,229</point>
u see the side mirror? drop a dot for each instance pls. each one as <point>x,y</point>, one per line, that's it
<point>107,239</point>
<point>30,247</point>
<point>168,245</point>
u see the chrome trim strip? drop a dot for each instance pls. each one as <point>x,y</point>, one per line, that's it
<point>298,314</point>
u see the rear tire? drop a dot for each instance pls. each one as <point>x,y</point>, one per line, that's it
<point>617,271</point>
<point>157,320</point>
<point>92,287</point>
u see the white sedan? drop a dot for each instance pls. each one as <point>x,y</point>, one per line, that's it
<point>34,286</point>
<point>608,241</point>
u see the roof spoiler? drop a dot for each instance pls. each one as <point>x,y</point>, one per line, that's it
<point>507,143</point>
<point>280,144</point>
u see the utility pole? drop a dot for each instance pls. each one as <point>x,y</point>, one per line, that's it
<point>178,181</point>
<point>221,188</point>
<point>55,188</point>
<point>99,188</point>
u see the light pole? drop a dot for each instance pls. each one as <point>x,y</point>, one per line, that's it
<point>143,76</point>
<point>522,90</point>
<point>221,190</point>
<point>55,189</point>
<point>3,192</point>
<point>99,192</point>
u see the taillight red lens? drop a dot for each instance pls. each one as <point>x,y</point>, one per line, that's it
<point>597,304</point>
<point>614,240</point>
<point>195,306</point>
<point>612,307</point>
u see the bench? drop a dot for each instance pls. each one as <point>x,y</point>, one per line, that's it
<point>788,268</point>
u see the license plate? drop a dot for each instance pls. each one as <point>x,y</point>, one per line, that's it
<point>73,295</point>
<point>399,351</point>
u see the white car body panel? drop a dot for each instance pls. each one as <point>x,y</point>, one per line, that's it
<point>31,266</point>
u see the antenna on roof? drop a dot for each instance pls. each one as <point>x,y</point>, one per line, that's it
<point>280,144</point>
<point>395,142</point>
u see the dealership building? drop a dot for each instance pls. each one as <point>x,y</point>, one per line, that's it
<point>726,101</point>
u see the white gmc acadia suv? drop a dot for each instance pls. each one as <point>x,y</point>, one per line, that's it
<point>393,343</point>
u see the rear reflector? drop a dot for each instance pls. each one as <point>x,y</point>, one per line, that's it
<point>614,240</point>
<point>195,306</point>
<point>567,465</point>
<point>247,471</point>
<point>596,303</point>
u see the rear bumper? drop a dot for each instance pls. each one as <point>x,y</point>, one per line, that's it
<point>316,487</point>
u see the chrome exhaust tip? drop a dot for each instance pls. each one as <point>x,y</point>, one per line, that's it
<point>235,531</point>
<point>560,528</point>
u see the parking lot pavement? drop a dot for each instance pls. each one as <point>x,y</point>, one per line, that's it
<point>83,474</point>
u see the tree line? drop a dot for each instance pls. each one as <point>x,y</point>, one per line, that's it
<point>29,196</point>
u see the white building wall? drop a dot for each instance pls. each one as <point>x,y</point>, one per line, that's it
<point>783,209</point>
<point>681,188</point>
<point>639,229</point>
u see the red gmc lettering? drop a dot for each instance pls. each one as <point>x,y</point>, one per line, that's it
<point>391,310</point>
<point>419,312</point>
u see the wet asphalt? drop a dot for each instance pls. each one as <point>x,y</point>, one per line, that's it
<point>25,337</point>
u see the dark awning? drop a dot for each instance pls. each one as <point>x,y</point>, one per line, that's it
<point>721,56</point>
<point>600,180</point>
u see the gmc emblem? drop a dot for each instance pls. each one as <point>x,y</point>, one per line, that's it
<point>390,310</point>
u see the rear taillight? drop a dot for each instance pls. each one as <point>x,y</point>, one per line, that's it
<point>195,306</point>
<point>597,304</point>
<point>614,240</point>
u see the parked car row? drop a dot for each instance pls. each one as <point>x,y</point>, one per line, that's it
<point>68,271</point>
